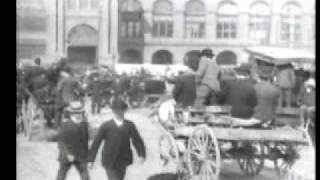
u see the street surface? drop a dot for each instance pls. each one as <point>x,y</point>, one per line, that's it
<point>37,160</point>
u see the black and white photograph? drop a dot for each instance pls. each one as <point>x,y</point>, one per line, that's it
<point>165,89</point>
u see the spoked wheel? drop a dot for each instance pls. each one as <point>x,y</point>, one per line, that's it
<point>203,154</point>
<point>251,161</point>
<point>286,156</point>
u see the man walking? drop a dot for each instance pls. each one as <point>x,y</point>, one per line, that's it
<point>73,142</point>
<point>207,79</point>
<point>116,134</point>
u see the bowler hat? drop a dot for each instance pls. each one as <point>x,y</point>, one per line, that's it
<point>75,107</point>
<point>207,52</point>
<point>118,104</point>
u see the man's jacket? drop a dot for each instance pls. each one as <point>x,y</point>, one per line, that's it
<point>116,151</point>
<point>207,73</point>
<point>73,139</point>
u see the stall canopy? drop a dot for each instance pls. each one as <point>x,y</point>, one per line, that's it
<point>280,56</point>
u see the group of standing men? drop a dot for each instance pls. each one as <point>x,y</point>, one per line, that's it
<point>248,97</point>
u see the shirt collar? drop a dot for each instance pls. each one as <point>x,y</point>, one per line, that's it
<point>118,122</point>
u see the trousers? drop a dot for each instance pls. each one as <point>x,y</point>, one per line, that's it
<point>81,168</point>
<point>117,173</point>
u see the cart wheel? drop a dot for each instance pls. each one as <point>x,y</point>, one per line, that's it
<point>168,149</point>
<point>252,162</point>
<point>286,158</point>
<point>203,154</point>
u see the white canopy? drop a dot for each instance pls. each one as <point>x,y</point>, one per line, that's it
<point>281,55</point>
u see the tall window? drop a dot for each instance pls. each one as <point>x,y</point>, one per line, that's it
<point>227,21</point>
<point>162,19</point>
<point>29,51</point>
<point>194,19</point>
<point>291,27</point>
<point>83,4</point>
<point>131,19</point>
<point>259,24</point>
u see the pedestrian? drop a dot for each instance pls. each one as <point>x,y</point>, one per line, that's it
<point>184,91</point>
<point>117,134</point>
<point>207,79</point>
<point>73,142</point>
<point>306,100</point>
<point>267,96</point>
<point>68,89</point>
<point>285,80</point>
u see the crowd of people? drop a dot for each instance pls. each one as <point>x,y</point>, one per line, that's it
<point>252,98</point>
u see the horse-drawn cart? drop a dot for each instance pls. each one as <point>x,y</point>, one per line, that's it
<point>199,145</point>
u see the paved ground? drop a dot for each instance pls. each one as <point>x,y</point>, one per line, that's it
<point>37,160</point>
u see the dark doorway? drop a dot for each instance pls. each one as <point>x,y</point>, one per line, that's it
<point>227,58</point>
<point>130,56</point>
<point>162,57</point>
<point>82,54</point>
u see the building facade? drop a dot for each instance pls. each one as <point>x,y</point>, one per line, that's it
<point>160,31</point>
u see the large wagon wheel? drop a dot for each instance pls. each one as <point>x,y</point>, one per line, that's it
<point>251,161</point>
<point>203,154</point>
<point>286,156</point>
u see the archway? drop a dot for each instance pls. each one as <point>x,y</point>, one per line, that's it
<point>130,56</point>
<point>227,58</point>
<point>162,57</point>
<point>82,40</point>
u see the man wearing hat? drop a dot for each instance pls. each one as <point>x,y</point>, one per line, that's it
<point>73,142</point>
<point>207,78</point>
<point>267,96</point>
<point>117,134</point>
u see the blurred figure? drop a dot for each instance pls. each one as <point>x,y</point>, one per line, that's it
<point>240,94</point>
<point>267,96</point>
<point>68,89</point>
<point>285,80</point>
<point>207,79</point>
<point>73,142</point>
<point>184,91</point>
<point>307,100</point>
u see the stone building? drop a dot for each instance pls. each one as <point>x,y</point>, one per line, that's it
<point>160,31</point>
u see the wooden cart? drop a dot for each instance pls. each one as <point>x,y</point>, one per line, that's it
<point>198,146</point>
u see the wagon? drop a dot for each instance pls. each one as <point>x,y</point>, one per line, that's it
<point>198,145</point>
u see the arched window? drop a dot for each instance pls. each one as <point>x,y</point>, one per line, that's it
<point>259,24</point>
<point>194,19</point>
<point>130,56</point>
<point>83,35</point>
<point>227,58</point>
<point>227,20</point>
<point>162,57</point>
<point>162,19</point>
<point>291,23</point>
<point>131,19</point>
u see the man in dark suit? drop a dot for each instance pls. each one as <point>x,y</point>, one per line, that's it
<point>184,91</point>
<point>240,94</point>
<point>73,142</point>
<point>267,95</point>
<point>116,134</point>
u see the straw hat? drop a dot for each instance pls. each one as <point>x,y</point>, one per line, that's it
<point>75,107</point>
